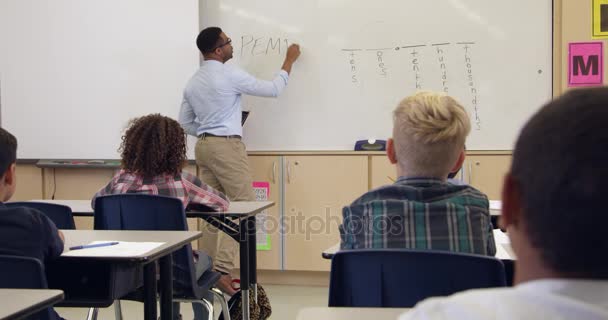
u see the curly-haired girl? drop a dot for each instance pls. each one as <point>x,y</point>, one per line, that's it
<point>153,155</point>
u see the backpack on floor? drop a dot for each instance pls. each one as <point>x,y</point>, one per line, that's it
<point>257,311</point>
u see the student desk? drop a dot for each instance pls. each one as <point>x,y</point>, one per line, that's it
<point>244,232</point>
<point>503,247</point>
<point>20,303</point>
<point>346,313</point>
<point>68,272</point>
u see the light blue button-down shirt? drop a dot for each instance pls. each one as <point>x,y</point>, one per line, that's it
<point>212,98</point>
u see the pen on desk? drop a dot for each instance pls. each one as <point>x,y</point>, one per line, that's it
<point>96,245</point>
<point>389,177</point>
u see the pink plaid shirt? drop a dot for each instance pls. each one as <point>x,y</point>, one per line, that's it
<point>185,186</point>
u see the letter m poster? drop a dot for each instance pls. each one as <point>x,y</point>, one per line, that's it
<point>585,64</point>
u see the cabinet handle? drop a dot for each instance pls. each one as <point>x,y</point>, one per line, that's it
<point>470,173</point>
<point>274,169</point>
<point>288,172</point>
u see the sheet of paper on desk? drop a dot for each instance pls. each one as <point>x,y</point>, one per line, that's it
<point>122,249</point>
<point>500,237</point>
<point>495,205</point>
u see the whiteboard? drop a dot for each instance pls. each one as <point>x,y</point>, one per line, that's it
<point>73,72</point>
<point>360,58</point>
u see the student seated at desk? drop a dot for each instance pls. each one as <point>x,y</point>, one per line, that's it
<point>554,208</point>
<point>153,155</point>
<point>23,231</point>
<point>421,210</point>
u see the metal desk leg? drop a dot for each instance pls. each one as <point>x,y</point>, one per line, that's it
<point>150,291</point>
<point>166,287</point>
<point>244,257</point>
<point>253,275</point>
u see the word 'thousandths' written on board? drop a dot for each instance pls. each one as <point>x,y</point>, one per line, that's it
<point>447,67</point>
<point>585,63</point>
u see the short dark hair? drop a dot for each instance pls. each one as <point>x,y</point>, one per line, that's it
<point>560,164</point>
<point>153,145</point>
<point>208,39</point>
<point>8,150</point>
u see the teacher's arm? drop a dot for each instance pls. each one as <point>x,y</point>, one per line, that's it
<point>248,84</point>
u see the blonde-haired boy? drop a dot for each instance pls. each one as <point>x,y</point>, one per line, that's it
<point>421,210</point>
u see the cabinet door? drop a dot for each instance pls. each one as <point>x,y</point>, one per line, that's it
<point>267,169</point>
<point>383,172</point>
<point>29,183</point>
<point>316,189</point>
<point>486,173</point>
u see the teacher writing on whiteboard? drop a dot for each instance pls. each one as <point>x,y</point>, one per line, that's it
<point>211,110</point>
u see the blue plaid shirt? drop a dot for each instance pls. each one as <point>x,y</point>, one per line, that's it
<point>420,213</point>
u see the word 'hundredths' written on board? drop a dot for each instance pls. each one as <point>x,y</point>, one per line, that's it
<point>435,66</point>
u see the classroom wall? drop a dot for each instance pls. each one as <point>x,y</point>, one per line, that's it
<point>572,23</point>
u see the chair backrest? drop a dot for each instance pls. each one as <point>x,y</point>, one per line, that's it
<point>61,215</point>
<point>151,212</point>
<point>401,278</point>
<point>24,273</point>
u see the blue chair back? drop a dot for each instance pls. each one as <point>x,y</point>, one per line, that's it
<point>61,215</point>
<point>401,278</point>
<point>151,212</point>
<point>24,273</point>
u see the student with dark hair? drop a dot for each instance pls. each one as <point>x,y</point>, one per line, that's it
<point>24,231</point>
<point>211,110</point>
<point>153,156</point>
<point>553,209</point>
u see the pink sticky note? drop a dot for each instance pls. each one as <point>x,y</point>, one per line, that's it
<point>585,63</point>
<point>262,190</point>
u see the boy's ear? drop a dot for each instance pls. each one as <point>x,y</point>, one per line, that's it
<point>459,162</point>
<point>390,151</point>
<point>9,175</point>
<point>511,203</point>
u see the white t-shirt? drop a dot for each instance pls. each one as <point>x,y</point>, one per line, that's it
<point>540,299</point>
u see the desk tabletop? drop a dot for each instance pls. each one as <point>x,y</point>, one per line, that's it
<point>79,207</point>
<point>503,247</point>
<point>18,303</point>
<point>236,209</point>
<point>342,313</point>
<point>172,240</point>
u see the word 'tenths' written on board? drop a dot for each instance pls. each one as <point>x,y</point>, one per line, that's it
<point>424,63</point>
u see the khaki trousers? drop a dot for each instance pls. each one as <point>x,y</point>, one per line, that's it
<point>224,166</point>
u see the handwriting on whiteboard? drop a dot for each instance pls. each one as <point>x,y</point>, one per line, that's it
<point>422,64</point>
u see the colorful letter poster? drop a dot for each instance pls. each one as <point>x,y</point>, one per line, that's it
<point>600,19</point>
<point>262,192</point>
<point>585,64</point>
